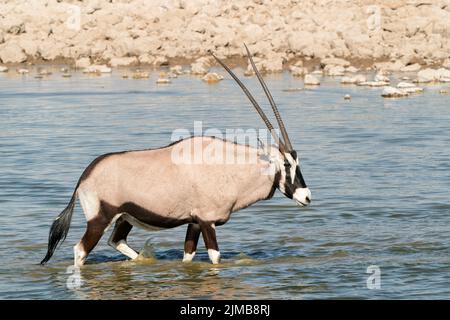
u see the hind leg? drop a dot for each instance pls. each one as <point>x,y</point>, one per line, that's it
<point>118,238</point>
<point>94,231</point>
<point>190,243</point>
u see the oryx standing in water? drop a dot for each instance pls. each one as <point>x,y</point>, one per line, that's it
<point>146,188</point>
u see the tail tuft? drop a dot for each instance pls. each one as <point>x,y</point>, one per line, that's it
<point>59,229</point>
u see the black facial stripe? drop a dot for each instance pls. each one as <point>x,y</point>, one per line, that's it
<point>299,177</point>
<point>288,186</point>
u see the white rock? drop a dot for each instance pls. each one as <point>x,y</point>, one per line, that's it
<point>22,71</point>
<point>177,69</point>
<point>405,85</point>
<point>198,68</point>
<point>298,71</point>
<point>373,83</point>
<point>334,71</point>
<point>381,78</point>
<point>413,90</point>
<point>443,74</point>
<point>347,97</point>
<point>446,63</point>
<point>311,80</point>
<point>427,75</point>
<point>83,63</point>
<point>95,68</point>
<point>125,61</point>
<point>160,61</point>
<point>163,81</point>
<point>411,68</point>
<point>348,80</point>
<point>146,58</point>
<point>352,80</point>
<point>212,77</point>
<point>140,75</point>
<point>351,69</point>
<point>12,53</point>
<point>391,92</point>
<point>3,69</point>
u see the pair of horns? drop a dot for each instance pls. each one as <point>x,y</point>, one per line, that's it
<point>285,146</point>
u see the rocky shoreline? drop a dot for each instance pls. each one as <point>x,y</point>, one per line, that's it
<point>335,37</point>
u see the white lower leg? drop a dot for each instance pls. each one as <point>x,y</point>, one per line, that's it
<point>214,256</point>
<point>187,257</point>
<point>79,255</point>
<point>123,248</point>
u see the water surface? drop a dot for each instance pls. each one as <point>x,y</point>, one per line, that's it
<point>379,171</point>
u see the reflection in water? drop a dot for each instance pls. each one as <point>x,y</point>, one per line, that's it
<point>379,171</point>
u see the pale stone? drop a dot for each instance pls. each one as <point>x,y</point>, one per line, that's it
<point>298,71</point>
<point>427,75</point>
<point>97,69</point>
<point>446,63</point>
<point>311,80</point>
<point>140,75</point>
<point>177,69</point>
<point>160,61</point>
<point>198,68</point>
<point>405,85</point>
<point>347,97</point>
<point>411,68</point>
<point>82,63</point>
<point>125,61</point>
<point>334,70</point>
<point>146,58</point>
<point>12,53</point>
<point>351,69</point>
<point>391,92</point>
<point>443,75</point>
<point>22,71</point>
<point>3,69</point>
<point>381,78</point>
<point>373,83</point>
<point>353,80</point>
<point>163,81</point>
<point>212,77</point>
<point>348,80</point>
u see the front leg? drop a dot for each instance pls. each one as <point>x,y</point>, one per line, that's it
<point>209,237</point>
<point>190,243</point>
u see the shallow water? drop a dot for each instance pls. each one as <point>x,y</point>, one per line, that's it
<point>379,171</point>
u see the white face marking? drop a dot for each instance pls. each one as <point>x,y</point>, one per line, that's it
<point>294,163</point>
<point>302,196</point>
<point>214,256</point>
<point>89,202</point>
<point>187,257</point>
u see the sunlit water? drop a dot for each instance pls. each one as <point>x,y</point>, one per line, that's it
<point>379,171</point>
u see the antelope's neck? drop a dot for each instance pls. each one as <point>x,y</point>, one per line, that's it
<point>263,186</point>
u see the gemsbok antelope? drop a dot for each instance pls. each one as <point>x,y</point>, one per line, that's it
<point>146,188</point>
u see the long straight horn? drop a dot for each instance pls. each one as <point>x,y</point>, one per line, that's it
<point>272,103</point>
<point>255,104</point>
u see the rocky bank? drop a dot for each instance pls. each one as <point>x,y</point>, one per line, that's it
<point>336,36</point>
